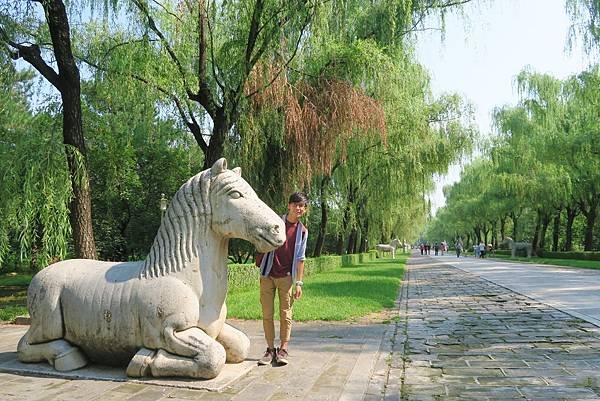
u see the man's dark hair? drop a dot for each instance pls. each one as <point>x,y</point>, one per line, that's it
<point>298,197</point>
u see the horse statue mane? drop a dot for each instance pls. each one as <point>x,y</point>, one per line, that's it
<point>514,246</point>
<point>391,247</point>
<point>189,207</point>
<point>164,316</point>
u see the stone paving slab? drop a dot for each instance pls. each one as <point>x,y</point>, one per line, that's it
<point>572,290</point>
<point>230,373</point>
<point>461,337</point>
<point>328,361</point>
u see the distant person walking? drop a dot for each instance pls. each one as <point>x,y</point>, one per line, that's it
<point>459,248</point>
<point>436,248</point>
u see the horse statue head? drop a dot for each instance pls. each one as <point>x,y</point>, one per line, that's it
<point>507,241</point>
<point>214,205</point>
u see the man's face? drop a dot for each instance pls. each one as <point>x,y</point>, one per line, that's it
<point>296,209</point>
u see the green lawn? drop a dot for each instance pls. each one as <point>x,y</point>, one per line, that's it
<point>13,296</point>
<point>585,264</point>
<point>340,294</point>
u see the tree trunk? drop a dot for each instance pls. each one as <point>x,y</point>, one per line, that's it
<point>572,212</point>
<point>323,225</point>
<point>339,246</point>
<point>515,220</point>
<point>216,145</point>
<point>486,231</point>
<point>503,228</point>
<point>536,233</point>
<point>494,235</point>
<point>477,232</point>
<point>365,234</point>
<point>556,231</point>
<point>545,223</point>
<point>340,237</point>
<point>68,83</point>
<point>590,213</point>
<point>352,241</point>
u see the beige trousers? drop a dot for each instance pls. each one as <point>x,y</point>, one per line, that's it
<point>268,286</point>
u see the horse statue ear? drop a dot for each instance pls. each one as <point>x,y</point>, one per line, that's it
<point>238,171</point>
<point>219,166</point>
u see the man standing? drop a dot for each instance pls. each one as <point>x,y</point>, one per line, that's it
<point>281,271</point>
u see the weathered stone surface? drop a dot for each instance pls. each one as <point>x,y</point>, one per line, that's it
<point>169,310</point>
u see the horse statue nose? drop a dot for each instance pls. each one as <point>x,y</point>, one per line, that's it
<point>278,232</point>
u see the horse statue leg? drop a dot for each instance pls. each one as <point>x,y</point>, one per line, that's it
<point>43,341</point>
<point>235,342</point>
<point>60,354</point>
<point>187,353</point>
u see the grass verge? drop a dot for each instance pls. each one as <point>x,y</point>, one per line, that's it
<point>340,294</point>
<point>584,264</point>
<point>13,296</point>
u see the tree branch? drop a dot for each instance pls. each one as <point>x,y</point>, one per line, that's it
<point>33,56</point>
<point>165,43</point>
<point>287,63</point>
<point>192,125</point>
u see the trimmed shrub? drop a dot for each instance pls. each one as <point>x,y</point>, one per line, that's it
<point>242,276</point>
<point>503,252</point>
<point>569,255</point>
<point>350,259</point>
<point>555,255</point>
<point>245,276</point>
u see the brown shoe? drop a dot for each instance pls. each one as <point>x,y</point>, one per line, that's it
<point>268,356</point>
<point>281,357</point>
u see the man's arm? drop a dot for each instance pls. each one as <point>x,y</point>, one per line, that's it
<point>299,275</point>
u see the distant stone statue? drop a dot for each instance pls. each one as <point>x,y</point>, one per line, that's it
<point>164,316</point>
<point>391,247</point>
<point>513,246</point>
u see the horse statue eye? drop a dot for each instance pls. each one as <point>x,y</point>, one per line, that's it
<point>235,194</point>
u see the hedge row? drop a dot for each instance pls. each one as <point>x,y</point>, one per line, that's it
<point>555,255</point>
<point>569,255</point>
<point>245,276</point>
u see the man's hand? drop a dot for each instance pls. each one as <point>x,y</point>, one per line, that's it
<point>298,292</point>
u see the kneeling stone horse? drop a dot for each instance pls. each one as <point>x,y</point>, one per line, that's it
<point>389,248</point>
<point>513,246</point>
<point>164,316</point>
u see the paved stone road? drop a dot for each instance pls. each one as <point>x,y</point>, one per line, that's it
<point>460,337</point>
<point>453,336</point>
<point>575,291</point>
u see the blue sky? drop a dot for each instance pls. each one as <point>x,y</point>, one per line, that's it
<point>482,52</point>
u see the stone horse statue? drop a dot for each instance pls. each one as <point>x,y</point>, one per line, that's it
<point>513,246</point>
<point>164,316</point>
<point>391,247</point>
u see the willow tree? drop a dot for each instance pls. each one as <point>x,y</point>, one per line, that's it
<point>25,37</point>
<point>585,18</point>
<point>34,223</point>
<point>567,112</point>
<point>582,144</point>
